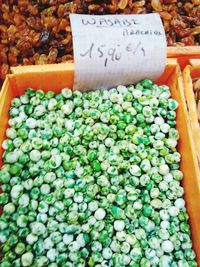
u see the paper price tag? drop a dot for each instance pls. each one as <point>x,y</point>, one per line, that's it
<point>117,49</point>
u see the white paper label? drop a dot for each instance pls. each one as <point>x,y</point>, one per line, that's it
<point>117,49</point>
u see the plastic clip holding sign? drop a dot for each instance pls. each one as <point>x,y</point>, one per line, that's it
<point>117,49</point>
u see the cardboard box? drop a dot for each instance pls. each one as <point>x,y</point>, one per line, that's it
<point>191,72</point>
<point>55,77</point>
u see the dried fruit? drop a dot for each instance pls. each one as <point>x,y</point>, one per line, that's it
<point>196,2</point>
<point>122,4</point>
<point>156,5</point>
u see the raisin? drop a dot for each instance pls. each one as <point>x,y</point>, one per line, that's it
<point>44,37</point>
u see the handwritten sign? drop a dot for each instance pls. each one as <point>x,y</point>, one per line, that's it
<point>117,49</point>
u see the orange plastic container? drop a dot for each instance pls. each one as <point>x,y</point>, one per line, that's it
<point>191,72</point>
<point>55,77</point>
<point>183,54</point>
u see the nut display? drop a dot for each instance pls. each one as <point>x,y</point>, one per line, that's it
<point>38,31</point>
<point>93,179</point>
